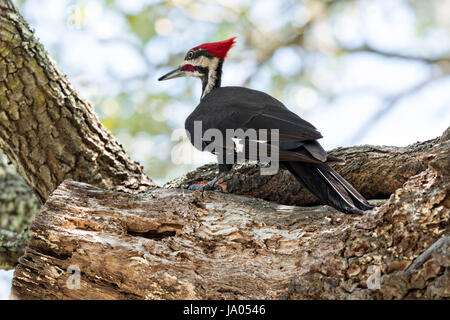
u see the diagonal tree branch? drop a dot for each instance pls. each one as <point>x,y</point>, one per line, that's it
<point>47,130</point>
<point>366,48</point>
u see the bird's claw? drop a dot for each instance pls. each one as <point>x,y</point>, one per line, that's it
<point>208,187</point>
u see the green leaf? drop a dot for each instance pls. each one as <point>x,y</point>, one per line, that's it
<point>141,25</point>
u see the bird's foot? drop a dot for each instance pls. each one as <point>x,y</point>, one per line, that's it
<point>209,186</point>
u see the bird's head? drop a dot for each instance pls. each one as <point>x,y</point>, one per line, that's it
<point>202,61</point>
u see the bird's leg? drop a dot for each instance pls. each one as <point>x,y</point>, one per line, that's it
<point>209,186</point>
<point>223,170</point>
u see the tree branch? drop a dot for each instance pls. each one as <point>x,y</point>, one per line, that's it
<point>366,48</point>
<point>174,244</point>
<point>376,171</point>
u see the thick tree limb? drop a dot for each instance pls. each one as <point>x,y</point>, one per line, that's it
<point>174,244</point>
<point>47,131</point>
<point>376,171</point>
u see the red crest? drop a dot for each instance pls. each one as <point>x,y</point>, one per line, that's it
<point>219,49</point>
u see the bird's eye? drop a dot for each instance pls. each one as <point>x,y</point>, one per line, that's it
<point>190,55</point>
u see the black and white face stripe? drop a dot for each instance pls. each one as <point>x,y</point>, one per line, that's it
<point>194,54</point>
<point>207,67</point>
<point>203,70</point>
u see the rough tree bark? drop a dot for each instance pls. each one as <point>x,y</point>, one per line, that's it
<point>47,131</point>
<point>174,244</point>
<point>376,171</point>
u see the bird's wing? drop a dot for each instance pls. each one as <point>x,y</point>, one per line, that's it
<point>291,127</point>
<point>241,108</point>
<point>296,136</point>
<point>238,107</point>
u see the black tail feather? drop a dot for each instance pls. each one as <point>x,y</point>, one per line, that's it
<point>327,185</point>
<point>357,198</point>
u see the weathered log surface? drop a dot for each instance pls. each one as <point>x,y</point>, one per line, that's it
<point>174,244</point>
<point>375,171</point>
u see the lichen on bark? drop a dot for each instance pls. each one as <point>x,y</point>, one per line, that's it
<point>18,206</point>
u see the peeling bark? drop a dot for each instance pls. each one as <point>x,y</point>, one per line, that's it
<point>47,131</point>
<point>174,244</point>
<point>375,171</point>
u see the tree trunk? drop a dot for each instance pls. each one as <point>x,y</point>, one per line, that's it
<point>174,244</point>
<point>47,131</point>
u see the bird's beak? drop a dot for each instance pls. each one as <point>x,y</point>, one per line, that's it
<point>173,74</point>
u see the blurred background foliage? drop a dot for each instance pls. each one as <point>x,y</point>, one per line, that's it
<point>362,71</point>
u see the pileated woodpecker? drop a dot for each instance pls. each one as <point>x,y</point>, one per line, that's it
<point>242,108</point>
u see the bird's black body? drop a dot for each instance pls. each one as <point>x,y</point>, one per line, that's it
<point>234,108</point>
<point>237,107</point>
